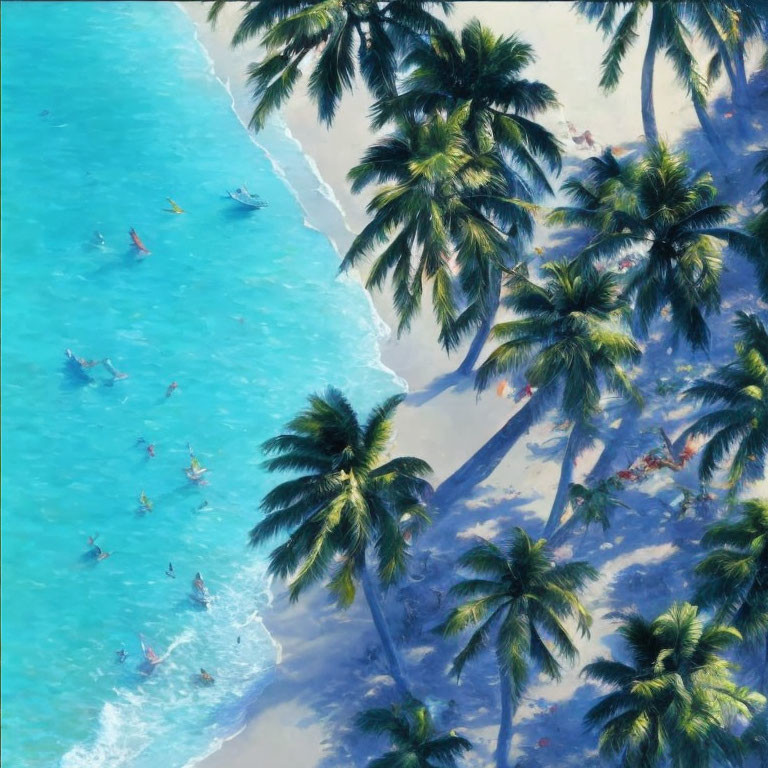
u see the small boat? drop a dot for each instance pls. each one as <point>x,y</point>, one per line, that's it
<point>244,197</point>
<point>200,593</point>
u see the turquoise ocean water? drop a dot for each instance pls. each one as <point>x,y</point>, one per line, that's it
<point>109,108</point>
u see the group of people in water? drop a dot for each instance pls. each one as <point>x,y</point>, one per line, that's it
<point>199,594</point>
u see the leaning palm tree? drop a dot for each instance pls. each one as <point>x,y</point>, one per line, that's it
<point>521,598</point>
<point>415,740</point>
<point>674,223</point>
<point>483,71</point>
<point>738,427</point>
<point>350,505</point>
<point>444,207</point>
<point>674,702</point>
<point>568,338</point>
<point>668,34</point>
<point>733,577</point>
<point>341,35</point>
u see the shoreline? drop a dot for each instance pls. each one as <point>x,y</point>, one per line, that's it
<point>291,721</point>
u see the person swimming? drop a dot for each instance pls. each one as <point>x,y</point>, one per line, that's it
<point>98,239</point>
<point>140,247</point>
<point>122,655</point>
<point>99,553</point>
<point>80,362</point>
<point>145,503</point>
<point>171,389</point>
<point>195,470</point>
<point>116,375</point>
<point>151,451</point>
<point>170,572</point>
<point>205,678</point>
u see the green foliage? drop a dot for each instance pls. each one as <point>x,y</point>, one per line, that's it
<point>440,200</point>
<point>738,426</point>
<point>348,499</point>
<point>593,506</point>
<point>415,741</point>
<point>733,577</point>
<point>569,331</point>
<point>343,35</point>
<point>484,71</point>
<point>522,597</point>
<point>674,702</point>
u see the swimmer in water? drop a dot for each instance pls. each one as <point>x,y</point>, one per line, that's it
<point>206,678</point>
<point>98,239</point>
<point>122,655</point>
<point>170,572</point>
<point>81,362</point>
<point>140,247</point>
<point>151,451</point>
<point>171,389</point>
<point>99,553</point>
<point>145,504</point>
<point>203,506</point>
<point>116,375</point>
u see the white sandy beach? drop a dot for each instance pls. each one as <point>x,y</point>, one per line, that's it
<point>303,720</point>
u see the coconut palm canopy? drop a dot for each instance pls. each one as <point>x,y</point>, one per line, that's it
<point>344,35</point>
<point>522,595</point>
<point>673,222</point>
<point>569,331</point>
<point>738,426</point>
<point>441,201</point>
<point>349,497</point>
<point>484,71</point>
<point>673,702</point>
<point>415,740</point>
<point>733,577</point>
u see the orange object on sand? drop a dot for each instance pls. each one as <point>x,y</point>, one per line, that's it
<point>501,388</point>
<point>137,241</point>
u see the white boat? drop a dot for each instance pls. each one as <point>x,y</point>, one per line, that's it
<point>244,197</point>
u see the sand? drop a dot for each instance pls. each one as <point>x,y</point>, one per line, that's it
<point>303,719</point>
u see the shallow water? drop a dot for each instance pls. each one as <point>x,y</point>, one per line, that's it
<point>109,109</point>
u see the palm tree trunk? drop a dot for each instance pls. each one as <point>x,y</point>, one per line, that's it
<point>481,336</point>
<point>371,590</point>
<point>572,450</point>
<point>508,708</point>
<point>602,469</point>
<point>489,456</point>
<point>715,141</point>
<point>741,73</point>
<point>646,83</point>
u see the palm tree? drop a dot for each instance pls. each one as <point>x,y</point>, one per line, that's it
<point>523,597</point>
<point>349,502</point>
<point>733,577</point>
<point>593,506</point>
<point>673,703</point>
<point>668,34</point>
<point>484,72</point>
<point>568,337</point>
<point>343,34</point>
<point>443,206</point>
<point>600,196</point>
<point>738,428</point>
<point>415,741</point>
<point>675,220</point>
